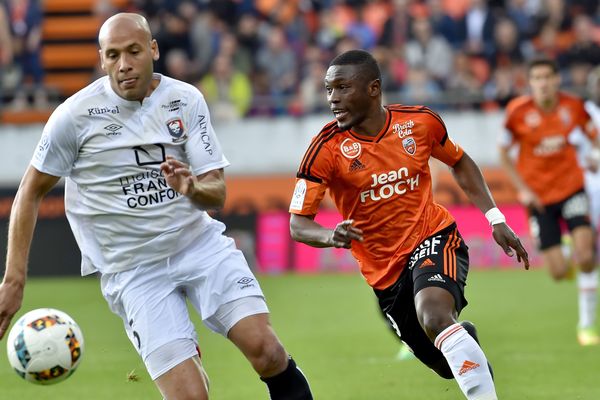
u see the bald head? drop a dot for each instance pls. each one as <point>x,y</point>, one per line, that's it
<point>124,24</point>
<point>127,53</point>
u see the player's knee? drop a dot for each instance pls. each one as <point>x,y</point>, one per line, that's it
<point>434,322</point>
<point>268,357</point>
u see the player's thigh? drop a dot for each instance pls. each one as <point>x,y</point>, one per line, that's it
<point>187,380</point>
<point>154,313</point>
<point>214,274</point>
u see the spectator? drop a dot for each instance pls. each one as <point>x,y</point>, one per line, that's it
<point>442,23</point>
<point>584,51</point>
<point>507,49</point>
<point>476,28</point>
<point>428,51</point>
<point>279,62</point>
<point>396,29</point>
<point>463,86</point>
<point>421,88</point>
<point>26,29</point>
<point>228,91</point>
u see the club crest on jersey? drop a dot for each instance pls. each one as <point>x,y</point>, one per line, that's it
<point>533,119</point>
<point>410,146</point>
<point>350,148</point>
<point>176,130</point>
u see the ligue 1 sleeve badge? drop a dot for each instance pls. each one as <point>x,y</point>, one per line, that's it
<point>176,130</point>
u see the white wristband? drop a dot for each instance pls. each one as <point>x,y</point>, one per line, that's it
<point>495,216</point>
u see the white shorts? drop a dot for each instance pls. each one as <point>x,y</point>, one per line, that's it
<point>151,299</point>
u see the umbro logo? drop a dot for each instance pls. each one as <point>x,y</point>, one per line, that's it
<point>113,129</point>
<point>356,165</point>
<point>427,263</point>
<point>245,282</point>
<point>436,278</point>
<point>467,366</point>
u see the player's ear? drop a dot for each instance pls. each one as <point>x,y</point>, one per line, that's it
<point>102,60</point>
<point>154,50</point>
<point>375,87</point>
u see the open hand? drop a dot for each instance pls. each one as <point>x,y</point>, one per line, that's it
<point>179,176</point>
<point>508,240</point>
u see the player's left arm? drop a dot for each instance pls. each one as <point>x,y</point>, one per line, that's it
<point>470,179</point>
<point>206,191</point>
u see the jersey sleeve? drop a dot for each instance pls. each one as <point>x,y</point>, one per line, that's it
<point>202,148</point>
<point>58,147</point>
<point>443,148</point>
<point>312,179</point>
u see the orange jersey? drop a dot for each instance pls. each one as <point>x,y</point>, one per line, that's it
<point>383,183</point>
<point>547,162</point>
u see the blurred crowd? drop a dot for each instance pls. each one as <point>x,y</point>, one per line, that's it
<point>269,57</point>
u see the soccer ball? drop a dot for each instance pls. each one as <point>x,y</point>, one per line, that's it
<point>45,346</point>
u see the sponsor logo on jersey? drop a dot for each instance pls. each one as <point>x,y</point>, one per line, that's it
<point>174,105</point>
<point>356,165</point>
<point>298,196</point>
<point>436,278</point>
<point>103,110</point>
<point>176,130</point>
<point>350,148</point>
<point>204,134</point>
<point>410,146</point>
<point>404,129</point>
<point>550,145</point>
<point>113,129</point>
<point>384,186</point>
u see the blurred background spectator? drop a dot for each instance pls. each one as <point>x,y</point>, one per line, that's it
<point>268,57</point>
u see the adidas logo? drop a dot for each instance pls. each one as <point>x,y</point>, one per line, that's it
<point>467,366</point>
<point>356,165</point>
<point>427,263</point>
<point>436,278</point>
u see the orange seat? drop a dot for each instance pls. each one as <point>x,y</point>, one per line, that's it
<point>69,56</point>
<point>67,83</point>
<point>75,6</point>
<point>75,27</point>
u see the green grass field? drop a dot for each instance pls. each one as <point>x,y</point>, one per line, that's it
<point>330,324</point>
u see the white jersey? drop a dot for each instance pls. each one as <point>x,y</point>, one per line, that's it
<point>120,208</point>
<point>584,148</point>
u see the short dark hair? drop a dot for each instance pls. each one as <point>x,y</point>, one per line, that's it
<point>361,58</point>
<point>543,61</point>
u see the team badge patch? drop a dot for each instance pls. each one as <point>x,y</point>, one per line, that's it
<point>176,130</point>
<point>409,145</point>
<point>350,149</point>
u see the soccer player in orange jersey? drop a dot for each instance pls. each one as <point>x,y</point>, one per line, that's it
<point>374,161</point>
<point>550,182</point>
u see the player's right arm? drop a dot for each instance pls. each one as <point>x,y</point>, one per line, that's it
<point>304,229</point>
<point>526,196</point>
<point>23,217</point>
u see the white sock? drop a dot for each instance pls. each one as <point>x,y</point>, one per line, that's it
<point>467,362</point>
<point>587,283</point>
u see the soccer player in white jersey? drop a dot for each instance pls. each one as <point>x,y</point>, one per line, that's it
<point>142,164</point>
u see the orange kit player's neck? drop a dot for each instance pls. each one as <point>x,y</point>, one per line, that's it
<point>547,104</point>
<point>372,124</point>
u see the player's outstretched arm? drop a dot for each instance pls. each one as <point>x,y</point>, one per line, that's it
<point>304,229</point>
<point>23,216</point>
<point>207,191</point>
<point>469,177</point>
